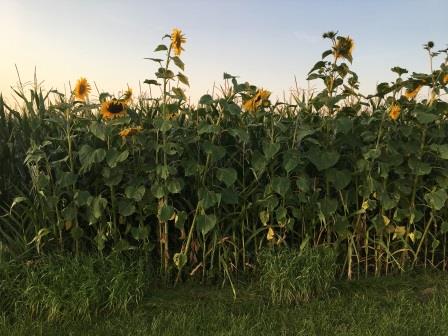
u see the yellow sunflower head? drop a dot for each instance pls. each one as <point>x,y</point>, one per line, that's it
<point>130,131</point>
<point>177,39</point>
<point>82,89</point>
<point>261,98</point>
<point>344,48</point>
<point>249,105</point>
<point>395,110</point>
<point>445,79</point>
<point>113,108</point>
<point>412,93</point>
<point>127,95</point>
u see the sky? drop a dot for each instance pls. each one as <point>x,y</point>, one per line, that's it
<point>267,43</point>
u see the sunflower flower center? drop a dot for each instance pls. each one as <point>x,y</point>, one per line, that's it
<point>116,107</point>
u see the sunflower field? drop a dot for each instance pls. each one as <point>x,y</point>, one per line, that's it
<point>202,190</point>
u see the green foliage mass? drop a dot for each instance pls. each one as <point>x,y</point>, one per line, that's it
<point>205,188</point>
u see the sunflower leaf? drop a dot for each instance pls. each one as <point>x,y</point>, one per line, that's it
<point>164,73</point>
<point>179,93</point>
<point>206,223</point>
<point>157,60</point>
<point>161,47</point>
<point>151,82</point>
<point>206,100</point>
<point>126,207</point>
<point>183,79</point>
<point>113,157</point>
<point>227,175</point>
<point>178,62</point>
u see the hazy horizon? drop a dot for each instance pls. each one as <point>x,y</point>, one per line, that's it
<point>265,43</point>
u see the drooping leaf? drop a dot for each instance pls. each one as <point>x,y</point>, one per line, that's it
<point>328,206</point>
<point>98,129</point>
<point>183,79</point>
<point>161,47</point>
<point>270,149</point>
<point>206,223</point>
<point>339,178</point>
<point>227,175</point>
<point>135,192</point>
<point>126,207</point>
<point>323,159</point>
<point>178,62</point>
<point>114,157</point>
<point>436,199</point>
<point>166,212</point>
<point>208,198</point>
<point>174,185</point>
<point>419,167</point>
<point>280,185</point>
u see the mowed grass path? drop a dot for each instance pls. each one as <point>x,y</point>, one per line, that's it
<point>403,305</point>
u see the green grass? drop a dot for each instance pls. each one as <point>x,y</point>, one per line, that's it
<point>293,276</point>
<point>75,288</point>
<point>415,304</point>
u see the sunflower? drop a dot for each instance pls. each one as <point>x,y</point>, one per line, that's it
<point>82,89</point>
<point>261,98</point>
<point>445,79</point>
<point>130,131</point>
<point>127,96</point>
<point>412,93</point>
<point>177,39</point>
<point>113,108</point>
<point>395,110</point>
<point>344,48</point>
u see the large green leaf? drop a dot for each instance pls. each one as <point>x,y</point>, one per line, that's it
<point>126,207</point>
<point>227,175</point>
<point>425,117</point>
<point>112,177</point>
<point>98,205</point>
<point>113,157</point>
<point>215,152</point>
<point>178,62</point>
<point>89,156</point>
<point>303,183</point>
<point>174,185</point>
<point>98,129</point>
<point>290,160</point>
<point>165,213</point>
<point>206,223</point>
<point>140,233</point>
<point>270,149</point>
<point>323,159</point>
<point>419,167</point>
<point>158,190</point>
<point>66,179</point>
<point>328,206</point>
<point>208,198</point>
<point>339,178</point>
<point>442,150</point>
<point>281,185</point>
<point>135,192</point>
<point>436,199</point>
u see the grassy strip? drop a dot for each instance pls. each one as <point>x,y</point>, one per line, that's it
<point>405,305</point>
<point>75,288</point>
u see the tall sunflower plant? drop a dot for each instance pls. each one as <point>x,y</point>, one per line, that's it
<point>340,82</point>
<point>166,121</point>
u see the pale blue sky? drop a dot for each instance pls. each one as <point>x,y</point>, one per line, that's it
<point>264,42</point>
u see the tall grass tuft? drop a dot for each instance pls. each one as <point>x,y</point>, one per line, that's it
<point>294,276</point>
